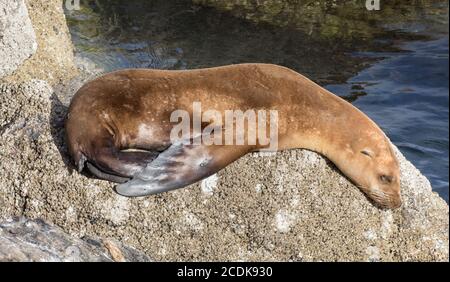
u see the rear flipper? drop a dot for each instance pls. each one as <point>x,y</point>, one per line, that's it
<point>106,176</point>
<point>119,166</point>
<point>180,165</point>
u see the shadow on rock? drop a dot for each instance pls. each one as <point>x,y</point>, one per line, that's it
<point>57,119</point>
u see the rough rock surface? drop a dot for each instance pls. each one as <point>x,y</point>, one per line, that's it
<point>34,240</point>
<point>53,60</point>
<point>292,205</point>
<point>17,38</point>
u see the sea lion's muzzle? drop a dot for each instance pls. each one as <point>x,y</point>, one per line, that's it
<point>389,200</point>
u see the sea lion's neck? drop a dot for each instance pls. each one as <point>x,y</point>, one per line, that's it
<point>323,124</point>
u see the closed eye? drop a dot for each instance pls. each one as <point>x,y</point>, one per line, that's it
<point>367,153</point>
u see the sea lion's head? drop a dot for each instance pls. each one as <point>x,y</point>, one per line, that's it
<point>371,164</point>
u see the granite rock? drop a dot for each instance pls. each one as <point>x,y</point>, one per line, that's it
<point>23,240</point>
<point>50,45</point>
<point>17,37</point>
<point>289,206</point>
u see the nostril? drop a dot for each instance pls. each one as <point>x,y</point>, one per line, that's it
<point>386,179</point>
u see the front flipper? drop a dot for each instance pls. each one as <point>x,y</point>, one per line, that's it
<point>181,165</point>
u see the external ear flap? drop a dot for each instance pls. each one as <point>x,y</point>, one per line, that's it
<point>386,179</point>
<point>180,165</point>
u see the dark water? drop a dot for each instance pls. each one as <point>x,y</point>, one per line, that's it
<point>407,95</point>
<point>391,64</point>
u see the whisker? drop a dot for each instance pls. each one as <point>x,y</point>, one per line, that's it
<point>382,198</point>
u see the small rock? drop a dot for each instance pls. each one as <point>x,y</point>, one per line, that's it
<point>22,240</point>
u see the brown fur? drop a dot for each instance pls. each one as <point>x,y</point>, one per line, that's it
<point>106,114</point>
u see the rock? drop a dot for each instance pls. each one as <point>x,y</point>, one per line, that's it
<point>54,59</point>
<point>292,205</point>
<point>34,240</point>
<point>17,38</point>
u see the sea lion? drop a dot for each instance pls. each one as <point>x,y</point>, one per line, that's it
<point>119,126</point>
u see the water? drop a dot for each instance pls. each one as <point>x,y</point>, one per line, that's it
<point>393,64</point>
<point>407,95</point>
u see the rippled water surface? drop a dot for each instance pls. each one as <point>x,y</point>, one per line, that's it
<point>391,64</point>
<point>407,94</point>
